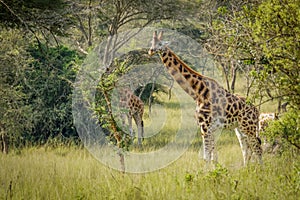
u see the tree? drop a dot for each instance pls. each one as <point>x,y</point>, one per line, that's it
<point>93,21</point>
<point>276,35</point>
<point>286,128</point>
<point>261,40</point>
<point>40,18</point>
<point>115,15</point>
<point>49,88</point>
<point>15,117</point>
<point>226,38</point>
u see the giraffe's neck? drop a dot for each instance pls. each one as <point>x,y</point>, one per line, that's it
<point>193,83</point>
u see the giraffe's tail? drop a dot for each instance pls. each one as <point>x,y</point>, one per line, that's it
<point>142,126</point>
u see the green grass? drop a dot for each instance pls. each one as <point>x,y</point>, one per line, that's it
<point>74,174</point>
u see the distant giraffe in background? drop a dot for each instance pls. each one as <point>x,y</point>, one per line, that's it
<point>216,108</point>
<point>265,118</point>
<point>264,121</point>
<point>132,107</point>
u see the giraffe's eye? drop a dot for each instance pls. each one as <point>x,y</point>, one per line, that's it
<point>159,43</point>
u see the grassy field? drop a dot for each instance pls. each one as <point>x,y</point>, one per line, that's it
<point>65,173</point>
<point>73,173</point>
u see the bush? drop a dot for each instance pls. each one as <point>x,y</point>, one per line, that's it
<point>49,88</point>
<point>286,128</point>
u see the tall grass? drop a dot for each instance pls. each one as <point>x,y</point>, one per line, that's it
<point>70,173</point>
<point>75,174</point>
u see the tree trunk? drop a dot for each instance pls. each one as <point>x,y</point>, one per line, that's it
<point>225,72</point>
<point>4,142</point>
<point>279,105</point>
<point>1,144</point>
<point>90,25</point>
<point>233,78</point>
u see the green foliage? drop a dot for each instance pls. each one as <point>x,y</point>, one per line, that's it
<point>189,177</point>
<point>286,128</point>
<point>33,15</point>
<point>275,31</point>
<point>15,111</point>
<point>218,172</point>
<point>49,90</point>
<point>261,40</point>
<point>222,10</point>
<point>103,107</point>
<point>227,42</point>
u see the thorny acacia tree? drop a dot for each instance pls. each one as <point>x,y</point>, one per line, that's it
<point>115,15</point>
<point>224,38</point>
<point>259,39</point>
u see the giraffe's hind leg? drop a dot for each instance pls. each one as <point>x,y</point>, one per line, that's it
<point>255,145</point>
<point>243,140</point>
<point>249,144</point>
<point>248,127</point>
<point>142,130</point>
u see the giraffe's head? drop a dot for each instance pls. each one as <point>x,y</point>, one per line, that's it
<point>158,45</point>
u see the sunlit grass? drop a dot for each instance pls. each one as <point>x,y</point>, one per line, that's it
<point>167,119</point>
<point>75,174</point>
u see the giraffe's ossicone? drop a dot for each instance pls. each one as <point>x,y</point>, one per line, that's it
<point>216,108</point>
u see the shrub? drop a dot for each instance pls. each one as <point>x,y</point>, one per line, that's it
<point>286,128</point>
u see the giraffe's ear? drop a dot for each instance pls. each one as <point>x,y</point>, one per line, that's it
<point>160,35</point>
<point>154,34</point>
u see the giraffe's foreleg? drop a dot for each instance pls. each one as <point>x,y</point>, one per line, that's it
<point>129,117</point>
<point>214,154</point>
<point>140,137</point>
<point>208,147</point>
<point>140,126</point>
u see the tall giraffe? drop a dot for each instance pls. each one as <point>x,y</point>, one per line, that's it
<point>134,108</point>
<point>216,108</point>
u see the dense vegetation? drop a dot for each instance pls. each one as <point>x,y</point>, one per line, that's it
<point>44,44</point>
<point>255,45</point>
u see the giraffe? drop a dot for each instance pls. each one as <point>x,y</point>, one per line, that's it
<point>264,120</point>
<point>216,108</point>
<point>133,108</point>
